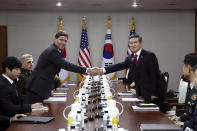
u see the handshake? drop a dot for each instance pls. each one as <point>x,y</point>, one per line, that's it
<point>94,71</point>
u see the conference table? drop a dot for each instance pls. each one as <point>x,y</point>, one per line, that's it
<point>129,119</point>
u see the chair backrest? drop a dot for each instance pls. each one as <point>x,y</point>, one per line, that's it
<point>183,85</point>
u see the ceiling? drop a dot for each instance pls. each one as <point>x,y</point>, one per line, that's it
<point>96,5</point>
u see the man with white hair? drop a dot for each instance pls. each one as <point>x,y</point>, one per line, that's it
<point>26,70</point>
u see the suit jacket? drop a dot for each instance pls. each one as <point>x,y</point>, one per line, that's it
<point>127,80</point>
<point>190,93</point>
<point>4,122</point>
<point>10,102</point>
<point>49,64</point>
<point>189,117</point>
<point>146,75</point>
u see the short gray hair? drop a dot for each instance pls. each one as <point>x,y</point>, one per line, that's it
<point>24,56</point>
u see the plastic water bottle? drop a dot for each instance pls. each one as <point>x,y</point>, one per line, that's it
<point>80,120</point>
<point>105,120</point>
<point>109,128</point>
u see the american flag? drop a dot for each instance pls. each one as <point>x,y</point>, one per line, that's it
<point>132,31</point>
<point>84,53</point>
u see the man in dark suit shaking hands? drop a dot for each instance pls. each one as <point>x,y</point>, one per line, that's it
<point>144,70</point>
<point>40,83</point>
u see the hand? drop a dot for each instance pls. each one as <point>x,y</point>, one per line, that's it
<point>36,105</point>
<point>132,85</point>
<point>17,116</point>
<point>94,71</point>
<point>121,81</point>
<point>133,91</point>
<point>179,123</point>
<point>153,97</point>
<point>98,70</point>
<point>57,77</point>
<point>174,118</point>
<point>52,92</point>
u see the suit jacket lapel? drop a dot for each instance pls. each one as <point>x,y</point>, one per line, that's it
<point>10,86</point>
<point>6,81</point>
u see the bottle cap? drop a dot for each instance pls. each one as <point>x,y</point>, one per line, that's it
<point>109,126</point>
<point>77,99</point>
<point>72,127</point>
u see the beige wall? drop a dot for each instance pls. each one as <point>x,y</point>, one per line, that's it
<point>169,34</point>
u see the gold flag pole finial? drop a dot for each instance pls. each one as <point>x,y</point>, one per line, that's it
<point>109,22</point>
<point>84,22</point>
<point>132,24</point>
<point>60,23</point>
<point>108,18</point>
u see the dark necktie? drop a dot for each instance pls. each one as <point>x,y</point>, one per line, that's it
<point>14,87</point>
<point>188,94</point>
<point>135,59</point>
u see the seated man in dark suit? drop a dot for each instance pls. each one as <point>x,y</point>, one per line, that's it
<point>190,114</point>
<point>5,121</point>
<point>144,71</point>
<point>11,102</point>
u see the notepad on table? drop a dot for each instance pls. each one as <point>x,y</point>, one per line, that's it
<point>146,105</point>
<point>136,108</point>
<point>59,94</point>
<point>132,99</point>
<point>55,99</point>
<point>159,127</point>
<point>35,119</point>
<point>45,108</point>
<point>71,84</point>
<point>125,94</point>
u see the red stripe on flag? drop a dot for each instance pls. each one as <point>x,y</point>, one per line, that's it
<point>86,56</point>
<point>83,60</point>
<point>89,55</point>
<point>88,50</point>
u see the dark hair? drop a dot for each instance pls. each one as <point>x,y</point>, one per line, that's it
<point>61,33</point>
<point>136,36</point>
<point>11,63</point>
<point>191,59</point>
